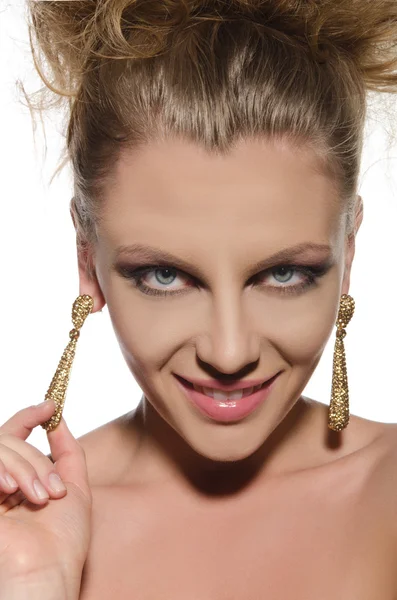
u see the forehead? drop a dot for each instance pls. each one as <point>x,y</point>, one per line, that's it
<point>170,189</point>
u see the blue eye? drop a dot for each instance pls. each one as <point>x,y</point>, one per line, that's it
<point>288,270</point>
<point>166,275</point>
<point>160,272</point>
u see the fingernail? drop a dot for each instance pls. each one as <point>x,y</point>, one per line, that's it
<point>56,483</point>
<point>39,490</point>
<point>46,402</point>
<point>10,480</point>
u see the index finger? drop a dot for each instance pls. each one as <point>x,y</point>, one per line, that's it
<point>25,420</point>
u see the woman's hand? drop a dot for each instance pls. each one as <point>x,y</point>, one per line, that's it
<point>43,541</point>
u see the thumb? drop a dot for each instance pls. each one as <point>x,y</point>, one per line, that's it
<point>69,457</point>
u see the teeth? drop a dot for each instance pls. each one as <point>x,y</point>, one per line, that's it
<point>218,395</point>
<point>248,391</point>
<point>236,395</point>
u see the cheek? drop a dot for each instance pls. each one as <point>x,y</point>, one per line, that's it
<point>302,334</point>
<point>147,330</point>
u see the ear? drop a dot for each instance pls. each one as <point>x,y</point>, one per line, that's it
<point>88,281</point>
<point>351,245</point>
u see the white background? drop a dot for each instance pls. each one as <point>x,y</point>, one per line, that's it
<point>39,279</point>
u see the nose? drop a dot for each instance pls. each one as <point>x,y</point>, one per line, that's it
<point>230,344</point>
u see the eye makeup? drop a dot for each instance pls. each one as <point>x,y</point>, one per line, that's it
<point>309,276</point>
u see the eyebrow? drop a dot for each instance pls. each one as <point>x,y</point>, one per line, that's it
<point>303,251</point>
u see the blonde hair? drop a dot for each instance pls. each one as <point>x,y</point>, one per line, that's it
<point>212,72</point>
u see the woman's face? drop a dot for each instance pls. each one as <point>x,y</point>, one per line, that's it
<point>223,307</point>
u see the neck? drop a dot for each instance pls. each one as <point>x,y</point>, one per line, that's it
<point>163,455</point>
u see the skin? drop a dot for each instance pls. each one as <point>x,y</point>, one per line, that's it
<point>223,215</point>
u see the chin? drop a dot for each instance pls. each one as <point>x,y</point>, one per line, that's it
<point>226,444</point>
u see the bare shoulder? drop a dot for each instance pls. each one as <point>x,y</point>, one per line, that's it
<point>109,450</point>
<point>372,442</point>
<point>361,434</point>
<point>377,437</point>
<point>385,448</point>
<point>377,459</point>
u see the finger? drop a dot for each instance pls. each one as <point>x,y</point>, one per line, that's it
<point>69,458</point>
<point>43,467</point>
<point>25,420</point>
<point>24,474</point>
<point>10,501</point>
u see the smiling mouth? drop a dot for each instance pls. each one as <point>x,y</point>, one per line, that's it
<point>220,395</point>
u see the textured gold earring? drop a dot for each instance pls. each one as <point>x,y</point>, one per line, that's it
<point>339,412</point>
<point>82,307</point>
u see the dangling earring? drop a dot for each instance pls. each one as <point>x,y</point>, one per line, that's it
<point>82,307</point>
<point>338,416</point>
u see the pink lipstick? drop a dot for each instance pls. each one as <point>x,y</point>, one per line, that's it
<point>226,410</point>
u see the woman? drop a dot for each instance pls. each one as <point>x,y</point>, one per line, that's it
<point>216,149</point>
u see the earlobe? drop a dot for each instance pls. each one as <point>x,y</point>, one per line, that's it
<point>88,280</point>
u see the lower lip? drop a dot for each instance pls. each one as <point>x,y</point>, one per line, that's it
<point>227,411</point>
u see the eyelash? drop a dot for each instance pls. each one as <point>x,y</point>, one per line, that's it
<point>312,274</point>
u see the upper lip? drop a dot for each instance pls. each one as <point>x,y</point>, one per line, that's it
<point>216,385</point>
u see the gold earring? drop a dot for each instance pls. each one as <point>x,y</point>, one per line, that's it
<point>82,307</point>
<point>338,416</point>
